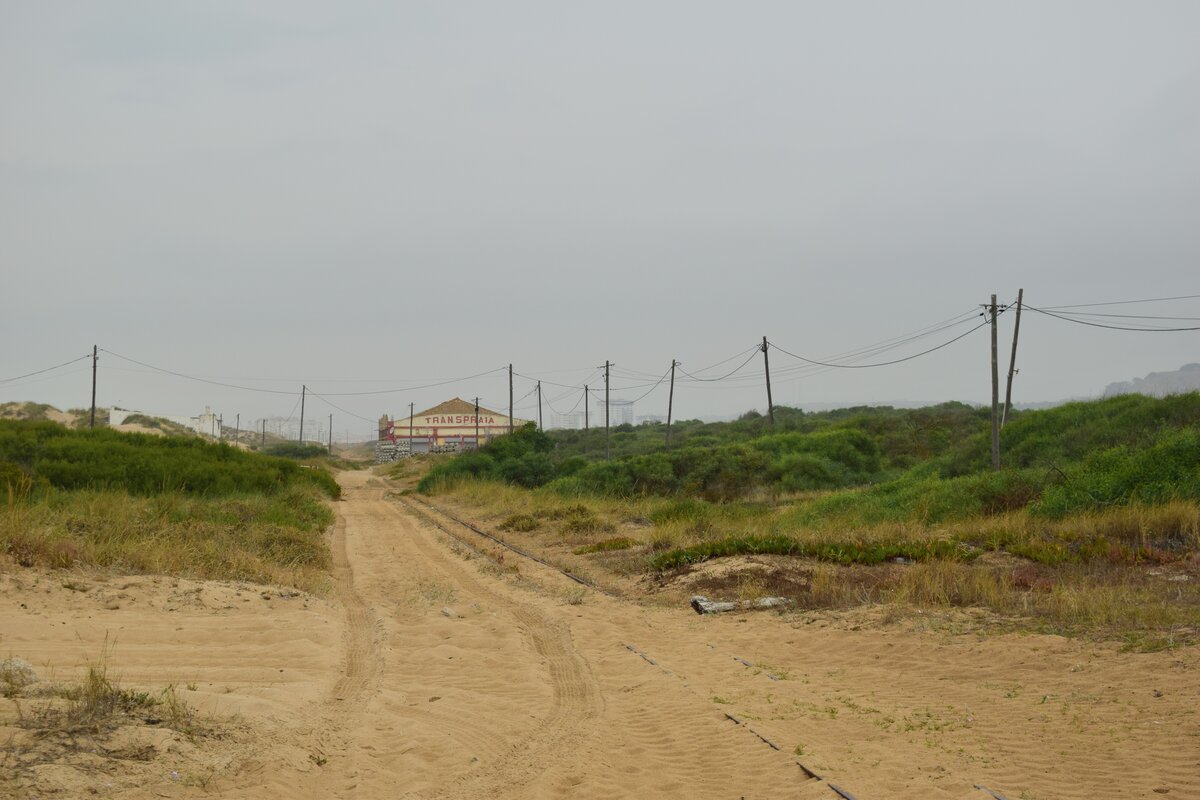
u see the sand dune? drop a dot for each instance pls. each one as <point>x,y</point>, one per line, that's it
<point>430,671</point>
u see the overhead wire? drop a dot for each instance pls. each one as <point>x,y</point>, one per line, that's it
<point>47,369</point>
<point>1122,302</point>
<point>880,347</point>
<point>1111,327</point>
<point>333,405</point>
<point>881,363</point>
<point>193,377</point>
<point>417,388</point>
<point>727,374</point>
<point>652,388</point>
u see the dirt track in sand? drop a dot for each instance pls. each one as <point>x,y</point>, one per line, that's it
<point>375,692</point>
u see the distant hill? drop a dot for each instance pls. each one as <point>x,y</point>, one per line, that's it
<point>1160,384</point>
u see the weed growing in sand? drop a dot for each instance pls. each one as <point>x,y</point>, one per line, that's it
<point>99,704</point>
<point>606,545</point>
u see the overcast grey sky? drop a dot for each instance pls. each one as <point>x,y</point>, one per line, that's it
<point>391,192</point>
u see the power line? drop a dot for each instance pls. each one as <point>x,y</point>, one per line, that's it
<point>47,369</point>
<point>655,386</point>
<point>883,346</point>
<point>292,413</point>
<point>193,377</point>
<point>1110,327</point>
<point>417,388</point>
<point>550,383</point>
<point>753,354</point>
<point>1126,316</point>
<point>1125,302</point>
<point>339,408</point>
<point>882,363</point>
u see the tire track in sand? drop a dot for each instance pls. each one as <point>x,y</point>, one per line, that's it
<point>362,658</point>
<point>575,695</point>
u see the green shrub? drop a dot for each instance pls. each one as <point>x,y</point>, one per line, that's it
<point>296,450</point>
<point>1167,470</point>
<point>143,464</point>
<point>521,457</point>
<point>519,522</point>
<point>806,471</point>
<point>686,508</point>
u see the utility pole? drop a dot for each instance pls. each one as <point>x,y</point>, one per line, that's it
<point>264,433</point>
<point>671,399</point>
<point>411,411</point>
<point>221,428</point>
<point>510,400</point>
<point>1012,363</point>
<point>95,350</point>
<point>539,390</point>
<point>767,371</point>
<point>586,401</point>
<point>995,392</point>
<point>476,423</point>
<point>331,434</point>
<point>607,447</point>
<point>303,391</point>
<point>237,429</point>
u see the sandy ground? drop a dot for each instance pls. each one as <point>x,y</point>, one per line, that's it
<point>433,672</point>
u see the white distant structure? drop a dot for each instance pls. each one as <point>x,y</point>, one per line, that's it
<point>649,419</point>
<point>206,424</point>
<point>620,412</point>
<point>570,422</point>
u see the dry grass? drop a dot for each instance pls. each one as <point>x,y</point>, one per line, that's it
<point>96,725</point>
<point>1130,573</point>
<point>278,539</point>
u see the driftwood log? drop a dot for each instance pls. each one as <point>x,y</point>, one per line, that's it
<point>703,605</point>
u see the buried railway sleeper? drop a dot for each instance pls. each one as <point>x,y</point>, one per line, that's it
<point>507,545</point>
<point>809,774</point>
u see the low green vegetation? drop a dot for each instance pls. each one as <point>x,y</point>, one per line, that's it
<point>295,450</point>
<point>51,455</point>
<point>1098,491</point>
<point>152,504</point>
<point>158,424</point>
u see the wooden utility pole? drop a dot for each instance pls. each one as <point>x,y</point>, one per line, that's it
<point>95,350</point>
<point>221,428</point>
<point>237,428</point>
<point>303,391</point>
<point>331,434</point>
<point>671,399</point>
<point>476,423</point>
<point>541,427</point>
<point>767,371</point>
<point>1012,362</point>
<point>586,401</point>
<point>607,444</point>
<point>510,400</point>
<point>411,411</point>
<point>995,392</point>
<point>264,433</point>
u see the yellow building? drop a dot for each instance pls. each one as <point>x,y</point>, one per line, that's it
<point>451,422</point>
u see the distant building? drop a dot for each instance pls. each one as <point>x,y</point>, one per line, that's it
<point>620,412</point>
<point>570,422</point>
<point>649,419</point>
<point>451,422</point>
